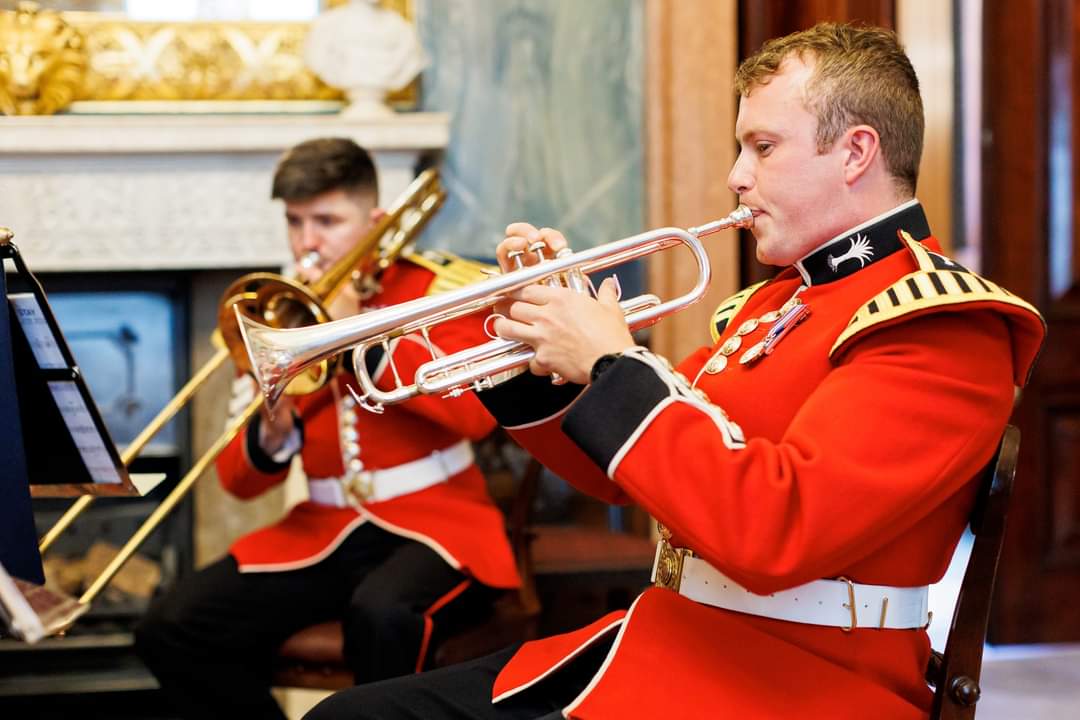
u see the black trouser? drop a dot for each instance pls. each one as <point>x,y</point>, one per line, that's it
<point>463,692</point>
<point>211,640</point>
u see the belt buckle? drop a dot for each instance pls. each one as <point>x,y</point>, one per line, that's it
<point>669,566</point>
<point>850,605</point>
<point>440,460</point>
<point>360,486</point>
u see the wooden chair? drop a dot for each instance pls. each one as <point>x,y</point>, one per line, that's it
<point>583,572</point>
<point>314,658</point>
<point>954,674</point>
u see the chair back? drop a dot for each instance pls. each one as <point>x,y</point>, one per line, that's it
<point>954,674</point>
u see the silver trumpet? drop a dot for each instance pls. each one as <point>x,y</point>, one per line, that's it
<point>279,355</point>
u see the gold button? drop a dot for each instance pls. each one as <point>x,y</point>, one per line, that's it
<point>752,354</point>
<point>747,327</point>
<point>716,364</point>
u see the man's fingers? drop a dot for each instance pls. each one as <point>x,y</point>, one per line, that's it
<point>525,312</point>
<point>514,330</point>
<point>608,293</point>
<point>523,229</point>
<point>520,236</point>
<point>535,294</point>
<point>537,368</point>
<point>554,239</point>
<point>515,243</point>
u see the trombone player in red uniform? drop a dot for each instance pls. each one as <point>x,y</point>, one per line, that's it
<point>813,467</point>
<point>398,539</point>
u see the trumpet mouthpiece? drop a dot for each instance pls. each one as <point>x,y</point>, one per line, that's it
<point>741,217</point>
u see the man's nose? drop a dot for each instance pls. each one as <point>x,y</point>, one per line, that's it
<point>740,180</point>
<point>310,237</point>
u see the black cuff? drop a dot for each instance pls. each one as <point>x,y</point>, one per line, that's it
<point>614,407</point>
<point>527,398</point>
<point>372,358</point>
<point>259,459</point>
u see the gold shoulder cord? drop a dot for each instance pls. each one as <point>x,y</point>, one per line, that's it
<point>451,271</point>
<point>928,287</point>
<point>729,309</point>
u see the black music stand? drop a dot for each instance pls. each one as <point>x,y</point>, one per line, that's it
<point>18,536</point>
<point>53,435</point>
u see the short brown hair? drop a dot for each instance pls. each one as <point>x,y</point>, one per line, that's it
<point>318,166</point>
<point>861,76</point>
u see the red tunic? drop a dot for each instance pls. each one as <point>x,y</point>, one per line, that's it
<point>859,460</point>
<point>456,518</point>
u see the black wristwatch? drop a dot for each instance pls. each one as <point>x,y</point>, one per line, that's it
<point>602,363</point>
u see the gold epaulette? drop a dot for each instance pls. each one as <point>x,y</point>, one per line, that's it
<point>728,309</point>
<point>451,271</point>
<point>938,283</point>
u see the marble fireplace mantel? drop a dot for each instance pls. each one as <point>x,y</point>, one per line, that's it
<point>157,192</point>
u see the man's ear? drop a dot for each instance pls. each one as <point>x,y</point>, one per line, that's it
<point>862,147</point>
<point>376,214</point>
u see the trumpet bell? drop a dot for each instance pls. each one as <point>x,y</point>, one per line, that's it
<point>276,302</point>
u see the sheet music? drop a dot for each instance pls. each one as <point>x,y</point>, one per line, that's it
<point>37,331</point>
<point>15,612</point>
<point>87,439</point>
<point>30,611</point>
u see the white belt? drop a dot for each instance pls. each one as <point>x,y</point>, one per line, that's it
<point>368,486</point>
<point>836,603</point>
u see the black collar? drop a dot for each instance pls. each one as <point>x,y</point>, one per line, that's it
<point>863,245</point>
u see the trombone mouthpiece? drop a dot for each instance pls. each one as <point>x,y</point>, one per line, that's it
<point>741,216</point>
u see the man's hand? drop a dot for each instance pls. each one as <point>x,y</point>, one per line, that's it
<point>345,303</point>
<point>275,430</point>
<point>568,330</point>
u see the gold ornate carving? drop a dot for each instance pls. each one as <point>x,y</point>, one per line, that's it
<point>196,61</point>
<point>42,61</point>
<point>124,60</point>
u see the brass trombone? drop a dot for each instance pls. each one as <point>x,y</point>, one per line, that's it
<point>279,302</point>
<point>279,355</point>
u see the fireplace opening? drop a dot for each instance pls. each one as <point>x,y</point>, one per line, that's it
<point>129,333</point>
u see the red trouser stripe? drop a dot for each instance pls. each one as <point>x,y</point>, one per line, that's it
<point>429,624</point>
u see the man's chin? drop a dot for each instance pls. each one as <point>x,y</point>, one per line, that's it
<point>768,258</point>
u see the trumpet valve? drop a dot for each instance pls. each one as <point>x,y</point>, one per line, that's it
<point>537,248</point>
<point>515,257</point>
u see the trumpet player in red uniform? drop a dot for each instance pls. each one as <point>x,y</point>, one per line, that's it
<point>398,539</point>
<point>812,468</point>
